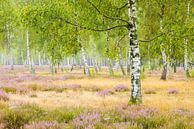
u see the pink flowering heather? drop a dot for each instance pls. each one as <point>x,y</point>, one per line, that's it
<point>87,120</point>
<point>21,90</point>
<point>105,92</point>
<point>121,87</point>
<point>43,125</point>
<point>136,111</point>
<point>4,96</point>
<point>173,91</point>
<point>184,112</point>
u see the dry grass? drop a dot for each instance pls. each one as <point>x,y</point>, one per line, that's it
<point>89,99</point>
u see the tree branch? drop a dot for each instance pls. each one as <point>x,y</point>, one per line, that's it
<point>149,40</point>
<point>123,6</point>
<point>92,29</point>
<point>112,18</point>
<point>121,39</point>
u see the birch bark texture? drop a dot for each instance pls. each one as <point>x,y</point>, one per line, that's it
<point>186,45</point>
<point>136,96</point>
<point>164,57</point>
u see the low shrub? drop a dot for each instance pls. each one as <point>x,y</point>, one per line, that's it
<point>121,87</point>
<point>14,119</point>
<point>184,113</point>
<point>43,125</point>
<point>136,111</point>
<point>153,122</point>
<point>18,117</point>
<point>73,86</point>
<point>179,123</point>
<point>62,115</point>
<point>173,91</point>
<point>112,117</point>
<point>33,95</point>
<point>9,89</point>
<point>21,90</point>
<point>35,87</point>
<point>105,92</point>
<point>87,120</point>
<point>150,91</point>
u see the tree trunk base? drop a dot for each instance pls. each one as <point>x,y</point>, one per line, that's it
<point>164,75</point>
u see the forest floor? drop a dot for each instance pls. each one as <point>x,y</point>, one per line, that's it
<point>99,93</point>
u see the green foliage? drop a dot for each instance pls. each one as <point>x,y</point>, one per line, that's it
<point>192,73</point>
<point>62,115</point>
<point>14,119</point>
<point>153,122</point>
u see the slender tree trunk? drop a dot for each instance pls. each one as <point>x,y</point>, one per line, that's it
<point>174,65</point>
<point>39,59</point>
<point>186,57</point>
<point>149,59</point>
<point>22,57</point>
<point>10,52</point>
<point>136,96</point>
<point>110,67</point>
<point>86,67</point>
<point>120,58</point>
<point>29,60</point>
<point>186,45</point>
<point>164,57</point>
<point>95,60</point>
<point>164,71</point>
<point>28,49</point>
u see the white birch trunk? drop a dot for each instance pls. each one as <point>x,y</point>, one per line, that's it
<point>164,58</point>
<point>136,96</point>
<point>86,67</point>
<point>39,59</point>
<point>186,45</point>
<point>110,67</point>
<point>30,62</point>
<point>10,52</point>
<point>95,60</point>
<point>22,57</point>
<point>165,70</point>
